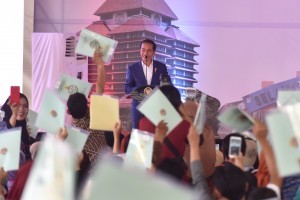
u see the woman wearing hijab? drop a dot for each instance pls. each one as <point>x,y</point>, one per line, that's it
<point>15,116</point>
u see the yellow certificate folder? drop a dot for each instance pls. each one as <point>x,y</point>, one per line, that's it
<point>104,112</point>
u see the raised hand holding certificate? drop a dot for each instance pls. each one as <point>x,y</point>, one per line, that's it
<point>52,175</point>
<point>68,85</point>
<point>10,142</point>
<point>52,113</point>
<point>285,97</point>
<point>236,119</point>
<point>156,107</point>
<point>76,138</point>
<point>104,112</point>
<point>140,149</point>
<point>31,119</point>
<point>136,184</point>
<point>200,117</point>
<point>282,134</point>
<point>90,41</point>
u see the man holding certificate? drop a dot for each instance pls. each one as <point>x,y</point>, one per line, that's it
<point>143,73</point>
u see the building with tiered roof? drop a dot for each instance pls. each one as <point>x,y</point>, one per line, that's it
<point>131,21</point>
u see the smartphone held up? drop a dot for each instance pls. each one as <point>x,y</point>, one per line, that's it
<point>235,144</point>
<point>14,94</point>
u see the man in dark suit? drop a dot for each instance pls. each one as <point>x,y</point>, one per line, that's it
<point>142,73</point>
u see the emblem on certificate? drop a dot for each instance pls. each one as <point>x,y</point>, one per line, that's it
<point>163,112</point>
<point>147,90</point>
<point>72,89</point>
<point>95,44</point>
<point>53,113</point>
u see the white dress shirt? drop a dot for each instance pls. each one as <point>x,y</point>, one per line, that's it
<point>148,72</point>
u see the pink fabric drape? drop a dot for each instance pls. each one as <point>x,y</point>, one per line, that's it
<point>48,50</point>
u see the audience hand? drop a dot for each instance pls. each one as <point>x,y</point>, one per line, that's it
<point>62,134</point>
<point>3,151</point>
<point>28,130</point>
<point>117,129</point>
<point>193,136</point>
<point>2,174</point>
<point>184,114</point>
<point>97,58</point>
<point>14,108</point>
<point>161,131</point>
<point>117,132</point>
<point>294,142</point>
<point>238,161</point>
<point>260,130</point>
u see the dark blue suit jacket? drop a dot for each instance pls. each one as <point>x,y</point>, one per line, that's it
<point>135,78</point>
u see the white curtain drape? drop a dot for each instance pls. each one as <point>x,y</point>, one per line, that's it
<point>48,50</point>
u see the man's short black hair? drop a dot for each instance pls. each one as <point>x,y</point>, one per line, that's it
<point>172,94</point>
<point>77,105</point>
<point>226,141</point>
<point>261,193</point>
<point>230,181</point>
<point>172,167</point>
<point>150,42</point>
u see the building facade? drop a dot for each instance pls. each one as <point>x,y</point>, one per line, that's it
<point>131,21</point>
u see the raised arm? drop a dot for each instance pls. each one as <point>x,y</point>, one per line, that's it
<point>2,188</point>
<point>260,130</point>
<point>117,132</point>
<point>14,113</point>
<point>160,134</point>
<point>97,59</point>
<point>199,180</point>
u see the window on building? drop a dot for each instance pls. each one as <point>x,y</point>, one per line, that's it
<point>160,38</point>
<point>179,53</point>
<point>179,62</point>
<point>188,65</point>
<point>189,46</point>
<point>122,46</point>
<point>161,49</point>
<point>118,66</point>
<point>133,12</point>
<point>179,44</point>
<point>189,56</point>
<point>150,35</point>
<point>156,20</point>
<point>118,76</point>
<point>92,78</point>
<point>134,45</point>
<point>120,55</point>
<point>92,68</point>
<point>121,36</point>
<point>70,47</point>
<point>146,12</point>
<point>135,34</point>
<point>120,18</point>
<point>106,16</point>
<point>119,86</point>
<point>179,82</point>
<point>166,20</point>
<point>160,58</point>
<point>133,55</point>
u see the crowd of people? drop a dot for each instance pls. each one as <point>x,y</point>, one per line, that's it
<point>189,158</point>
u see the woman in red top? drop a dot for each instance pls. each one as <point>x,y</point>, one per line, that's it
<point>178,136</point>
